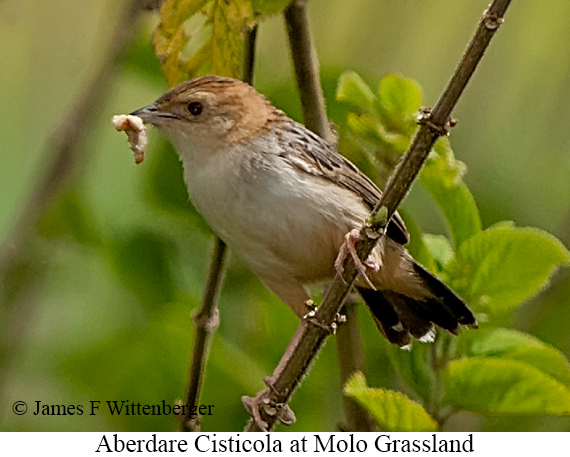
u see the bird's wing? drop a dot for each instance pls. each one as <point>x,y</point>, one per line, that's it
<point>311,154</point>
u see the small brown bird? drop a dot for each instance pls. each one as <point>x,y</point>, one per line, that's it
<point>283,199</point>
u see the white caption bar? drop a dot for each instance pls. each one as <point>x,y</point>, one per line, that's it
<point>100,443</point>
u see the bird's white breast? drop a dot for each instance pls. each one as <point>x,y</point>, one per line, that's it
<point>279,220</point>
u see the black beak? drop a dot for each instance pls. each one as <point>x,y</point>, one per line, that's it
<point>149,114</point>
<point>152,115</point>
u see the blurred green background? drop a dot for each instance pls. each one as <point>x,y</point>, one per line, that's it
<point>106,285</point>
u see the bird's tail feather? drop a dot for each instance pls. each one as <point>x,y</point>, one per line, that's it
<point>400,317</point>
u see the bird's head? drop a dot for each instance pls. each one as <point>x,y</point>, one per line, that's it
<point>210,113</point>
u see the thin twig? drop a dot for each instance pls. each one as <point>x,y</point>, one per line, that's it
<point>207,319</point>
<point>206,322</point>
<point>312,333</point>
<point>305,62</point>
<point>249,55</point>
<point>306,67</point>
<point>61,161</point>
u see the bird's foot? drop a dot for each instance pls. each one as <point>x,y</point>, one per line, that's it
<point>262,403</point>
<point>349,247</point>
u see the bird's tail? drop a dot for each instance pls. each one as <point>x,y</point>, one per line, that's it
<point>399,316</point>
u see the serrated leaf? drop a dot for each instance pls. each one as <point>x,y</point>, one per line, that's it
<point>510,344</point>
<point>364,127</point>
<point>171,63</point>
<point>369,129</point>
<point>502,386</point>
<point>170,38</point>
<point>393,411</point>
<point>229,23</point>
<point>503,266</point>
<point>200,59</point>
<point>173,14</point>
<point>221,53</point>
<point>352,89</point>
<point>401,96</point>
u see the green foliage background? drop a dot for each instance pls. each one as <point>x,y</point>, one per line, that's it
<point>122,257</point>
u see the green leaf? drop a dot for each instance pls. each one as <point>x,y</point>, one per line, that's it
<point>440,248</point>
<point>510,344</point>
<point>442,178</point>
<point>393,411</point>
<point>452,170</point>
<point>229,22</point>
<point>400,94</point>
<point>201,59</point>
<point>380,135</point>
<point>170,38</point>
<point>352,89</point>
<point>364,127</point>
<point>414,368</point>
<point>221,50</point>
<point>369,129</point>
<point>173,14</point>
<point>503,386</point>
<point>503,265</point>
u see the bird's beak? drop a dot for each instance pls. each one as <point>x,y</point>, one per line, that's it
<point>149,114</point>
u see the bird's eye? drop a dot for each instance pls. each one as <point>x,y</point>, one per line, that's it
<point>195,108</point>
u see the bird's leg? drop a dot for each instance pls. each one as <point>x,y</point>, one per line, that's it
<point>348,247</point>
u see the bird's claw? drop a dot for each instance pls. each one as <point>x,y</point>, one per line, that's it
<point>253,405</point>
<point>261,402</point>
<point>348,247</point>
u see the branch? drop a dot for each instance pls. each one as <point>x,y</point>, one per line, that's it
<point>207,319</point>
<point>312,333</point>
<point>206,322</point>
<point>307,69</point>
<point>305,62</point>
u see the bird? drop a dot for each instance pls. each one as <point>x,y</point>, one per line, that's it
<point>284,199</point>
